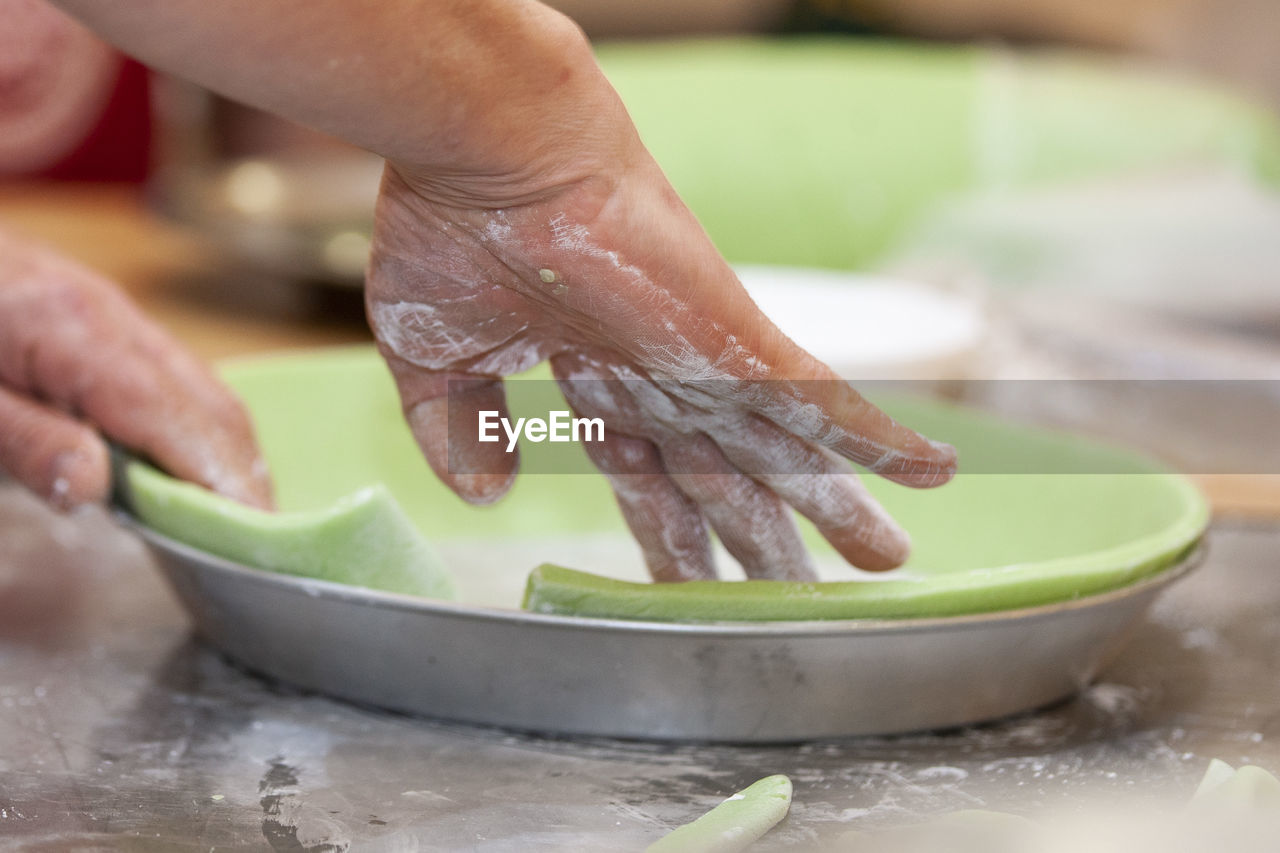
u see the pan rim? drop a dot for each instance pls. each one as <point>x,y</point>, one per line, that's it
<point>1185,561</point>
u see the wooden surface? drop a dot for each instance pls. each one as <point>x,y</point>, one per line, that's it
<point>216,310</point>
<point>1243,495</point>
<point>220,312</point>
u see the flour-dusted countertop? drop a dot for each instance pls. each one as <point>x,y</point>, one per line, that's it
<point>118,731</point>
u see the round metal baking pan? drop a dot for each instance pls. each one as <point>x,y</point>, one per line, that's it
<point>728,682</point>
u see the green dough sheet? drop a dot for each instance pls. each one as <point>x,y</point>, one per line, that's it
<point>828,152</point>
<point>330,425</point>
<point>363,539</point>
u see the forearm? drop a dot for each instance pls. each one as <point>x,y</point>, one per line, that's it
<point>442,86</point>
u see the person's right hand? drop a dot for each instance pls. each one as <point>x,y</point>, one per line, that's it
<point>544,230</point>
<point>78,362</point>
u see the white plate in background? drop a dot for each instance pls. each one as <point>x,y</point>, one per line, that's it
<point>871,326</point>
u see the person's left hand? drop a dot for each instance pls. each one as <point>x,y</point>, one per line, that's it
<point>80,363</point>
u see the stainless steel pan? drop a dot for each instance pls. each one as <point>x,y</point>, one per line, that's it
<point>736,682</point>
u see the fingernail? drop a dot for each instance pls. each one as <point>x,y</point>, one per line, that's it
<point>897,545</point>
<point>65,468</point>
<point>888,542</point>
<point>947,451</point>
<point>482,489</point>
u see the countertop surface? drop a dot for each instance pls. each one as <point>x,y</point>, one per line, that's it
<point>118,731</point>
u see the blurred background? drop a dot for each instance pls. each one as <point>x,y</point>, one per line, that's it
<point>1004,190</point>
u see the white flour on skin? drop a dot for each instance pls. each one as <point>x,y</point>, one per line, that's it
<point>826,490</point>
<point>61,488</point>
<point>685,557</point>
<point>768,545</point>
<point>867,523</point>
<point>497,229</point>
<point>768,542</point>
<point>415,332</point>
<point>576,238</point>
<point>679,359</point>
<point>942,773</point>
<point>891,458</point>
<point>212,471</point>
<point>675,355</point>
<point>424,335</point>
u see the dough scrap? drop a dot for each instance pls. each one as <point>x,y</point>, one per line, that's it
<point>734,824</point>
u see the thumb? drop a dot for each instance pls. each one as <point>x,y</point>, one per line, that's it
<point>443,410</point>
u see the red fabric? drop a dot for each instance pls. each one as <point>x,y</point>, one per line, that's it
<point>118,148</point>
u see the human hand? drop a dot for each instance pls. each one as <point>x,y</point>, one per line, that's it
<point>557,237</point>
<point>79,362</point>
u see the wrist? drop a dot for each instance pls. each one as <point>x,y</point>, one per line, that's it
<point>534,116</point>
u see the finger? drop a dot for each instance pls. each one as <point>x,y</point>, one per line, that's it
<point>443,410</point>
<point>821,487</point>
<point>155,399</point>
<point>832,414</point>
<point>755,527</point>
<point>590,382</point>
<point>51,453</point>
<point>747,359</point>
<point>69,338</point>
<point>750,520</point>
<point>807,398</point>
<point>812,480</point>
<point>186,423</point>
<point>664,521</point>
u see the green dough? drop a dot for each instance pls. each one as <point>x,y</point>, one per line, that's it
<point>1217,773</point>
<point>734,824</point>
<point>1249,787</point>
<point>363,539</point>
<point>557,590</point>
<point>827,150</point>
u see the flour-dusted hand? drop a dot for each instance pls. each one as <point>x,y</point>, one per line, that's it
<point>78,362</point>
<point>712,413</point>
<point>521,219</point>
<point>540,228</point>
